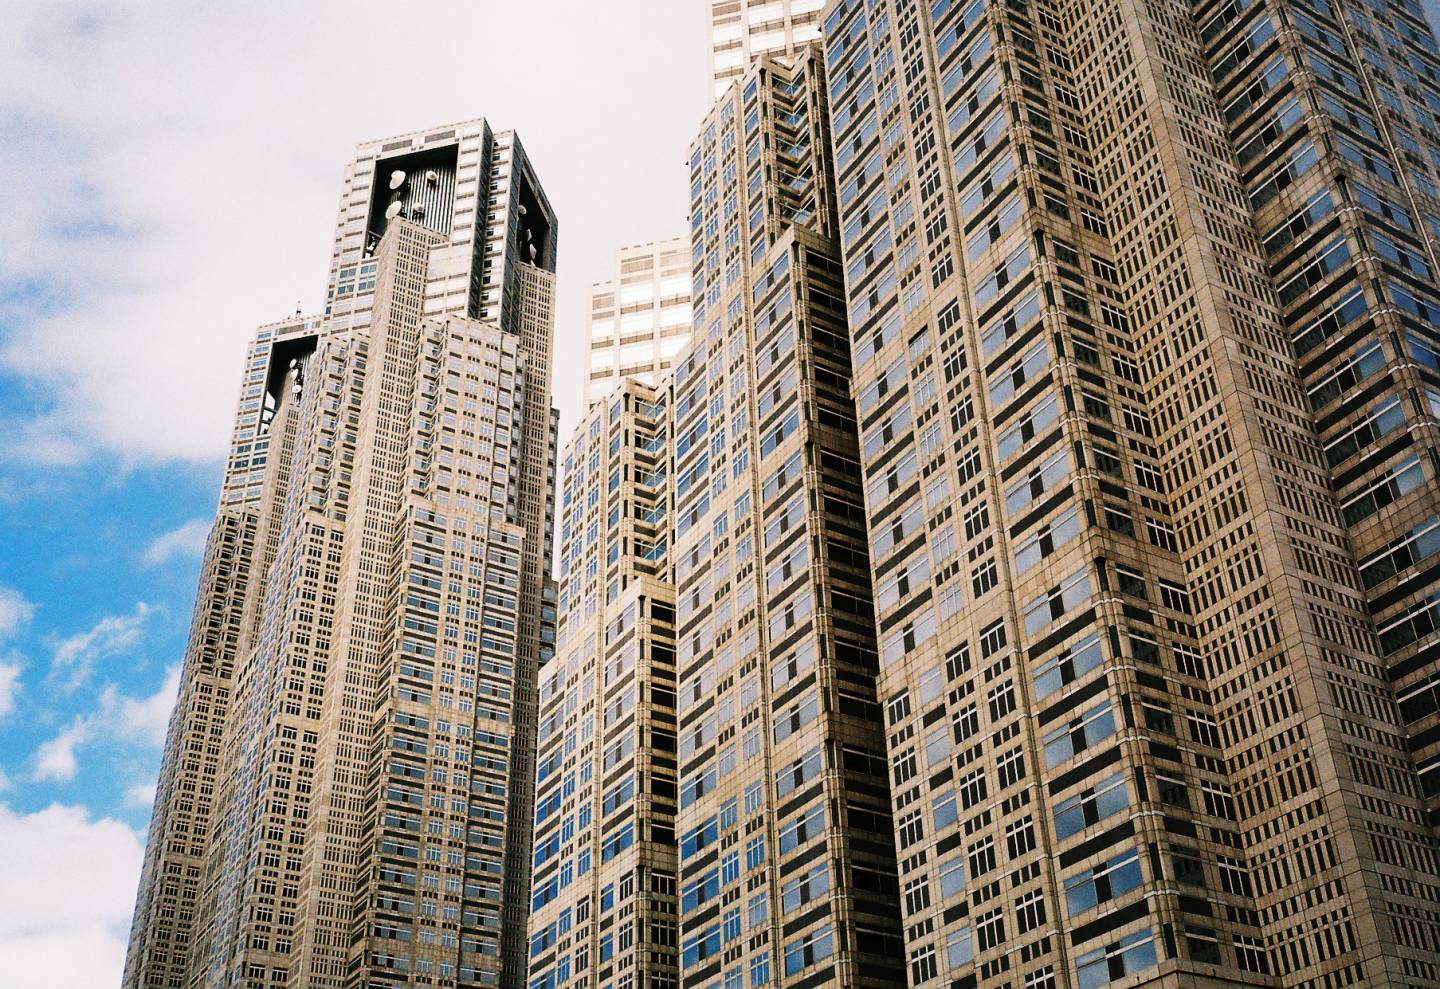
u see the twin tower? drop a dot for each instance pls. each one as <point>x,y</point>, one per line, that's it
<point>1021,569</point>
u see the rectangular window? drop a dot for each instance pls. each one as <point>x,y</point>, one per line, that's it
<point>1085,731</point>
<point>1058,601</point>
<point>1129,955</point>
<point>1114,877</point>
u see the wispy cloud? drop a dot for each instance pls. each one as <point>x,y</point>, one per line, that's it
<point>142,720</point>
<point>71,880</point>
<point>140,796</point>
<point>15,612</point>
<point>185,541</point>
<point>55,759</point>
<point>117,718</point>
<point>74,657</point>
<point>9,686</point>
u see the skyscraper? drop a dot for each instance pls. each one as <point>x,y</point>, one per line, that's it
<point>604,890</point>
<point>1024,576</point>
<point>1142,309</point>
<point>640,319</point>
<point>743,30</point>
<point>786,846</point>
<point>379,576</point>
<point>224,616</point>
<point>713,547</point>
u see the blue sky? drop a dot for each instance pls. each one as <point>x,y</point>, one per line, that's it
<point>173,170</point>
<point>96,576</point>
<point>97,580</point>
<point>123,318</point>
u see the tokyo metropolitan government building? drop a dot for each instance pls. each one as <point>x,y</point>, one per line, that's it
<point>1021,571</point>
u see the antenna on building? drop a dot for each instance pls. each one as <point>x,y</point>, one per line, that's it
<point>394,209</point>
<point>397,178</point>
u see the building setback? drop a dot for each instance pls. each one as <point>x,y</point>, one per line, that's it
<point>640,319</point>
<point>1141,304</point>
<point>743,30</point>
<point>603,906</point>
<point>1023,576</point>
<point>224,616</point>
<point>785,845</point>
<point>378,573</point>
<point>728,511</point>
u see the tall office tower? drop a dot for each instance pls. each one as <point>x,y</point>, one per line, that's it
<point>1140,308</point>
<point>180,825</point>
<point>786,849</point>
<point>640,320</point>
<point>603,904</point>
<point>743,30</point>
<point>369,822</point>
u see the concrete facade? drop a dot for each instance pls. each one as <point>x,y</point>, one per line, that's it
<point>743,30</point>
<point>640,319</point>
<point>369,819</point>
<point>604,891</point>
<point>1126,366</point>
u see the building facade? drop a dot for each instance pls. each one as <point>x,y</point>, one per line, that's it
<point>603,909</point>
<point>743,30</point>
<point>369,818</point>
<point>785,843</point>
<point>231,575</point>
<point>1023,574</point>
<point>640,319</point>
<point>712,711</point>
<point>1139,297</point>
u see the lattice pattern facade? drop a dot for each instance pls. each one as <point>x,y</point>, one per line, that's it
<point>606,778</point>
<point>785,843</point>
<point>1141,716</point>
<point>370,818</point>
<point>743,30</point>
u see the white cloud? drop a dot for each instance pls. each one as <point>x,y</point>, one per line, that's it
<point>140,796</point>
<point>15,612</point>
<point>185,541</point>
<point>9,686</point>
<point>141,719</point>
<point>74,657</point>
<point>178,193</point>
<point>4,781</point>
<point>117,718</point>
<point>55,760</point>
<point>70,884</point>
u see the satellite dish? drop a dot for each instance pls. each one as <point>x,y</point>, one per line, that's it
<point>417,211</point>
<point>394,209</point>
<point>397,178</point>
<point>432,177</point>
<point>522,210</point>
<point>532,252</point>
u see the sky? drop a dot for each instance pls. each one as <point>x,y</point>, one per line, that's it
<point>174,170</point>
